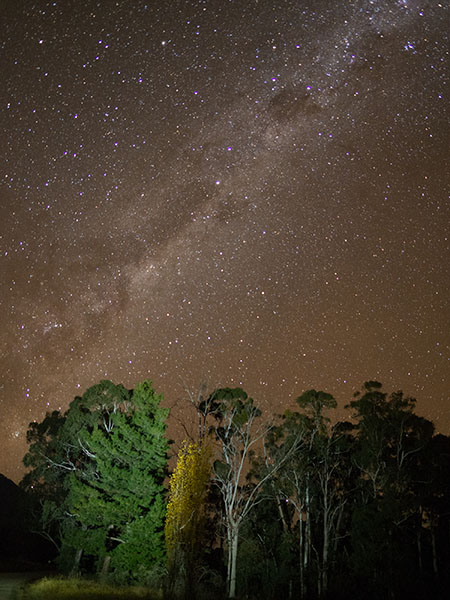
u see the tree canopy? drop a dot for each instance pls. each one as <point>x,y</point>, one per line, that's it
<point>300,504</point>
<point>108,456</point>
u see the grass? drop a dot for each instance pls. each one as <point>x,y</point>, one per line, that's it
<point>61,588</point>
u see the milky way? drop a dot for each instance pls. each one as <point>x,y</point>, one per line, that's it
<point>243,193</point>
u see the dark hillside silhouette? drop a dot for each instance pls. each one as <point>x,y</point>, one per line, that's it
<point>20,547</point>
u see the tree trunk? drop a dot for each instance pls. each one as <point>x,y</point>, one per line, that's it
<point>324,583</point>
<point>233,558</point>
<point>301,550</point>
<point>105,567</point>
<point>337,529</point>
<point>419,548</point>
<point>281,511</point>
<point>76,561</point>
<point>230,555</point>
<point>307,544</point>
<point>326,542</point>
<point>434,551</point>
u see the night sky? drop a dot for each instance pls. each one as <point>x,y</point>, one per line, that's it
<point>241,192</point>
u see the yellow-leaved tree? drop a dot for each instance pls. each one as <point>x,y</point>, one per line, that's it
<point>188,487</point>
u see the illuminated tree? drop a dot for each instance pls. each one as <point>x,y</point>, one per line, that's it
<point>185,513</point>
<point>121,499</point>
<point>107,460</point>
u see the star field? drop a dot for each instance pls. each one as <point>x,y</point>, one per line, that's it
<point>243,193</point>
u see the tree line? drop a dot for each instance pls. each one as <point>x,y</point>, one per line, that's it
<point>300,505</point>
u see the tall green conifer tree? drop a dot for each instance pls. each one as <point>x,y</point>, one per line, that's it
<point>118,501</point>
<point>98,471</point>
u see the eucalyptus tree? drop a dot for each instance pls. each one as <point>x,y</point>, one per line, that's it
<point>314,481</point>
<point>54,456</point>
<point>391,445</point>
<point>43,483</point>
<point>239,432</point>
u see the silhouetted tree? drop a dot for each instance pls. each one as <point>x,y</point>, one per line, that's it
<point>43,482</point>
<point>314,481</point>
<point>391,441</point>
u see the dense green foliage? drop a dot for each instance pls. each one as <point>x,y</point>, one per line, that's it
<point>104,462</point>
<point>355,506</point>
<point>305,506</point>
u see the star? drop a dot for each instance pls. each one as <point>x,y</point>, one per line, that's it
<point>192,199</point>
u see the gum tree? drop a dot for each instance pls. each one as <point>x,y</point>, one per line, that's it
<point>239,432</point>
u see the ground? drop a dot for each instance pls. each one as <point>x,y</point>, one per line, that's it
<point>10,582</point>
